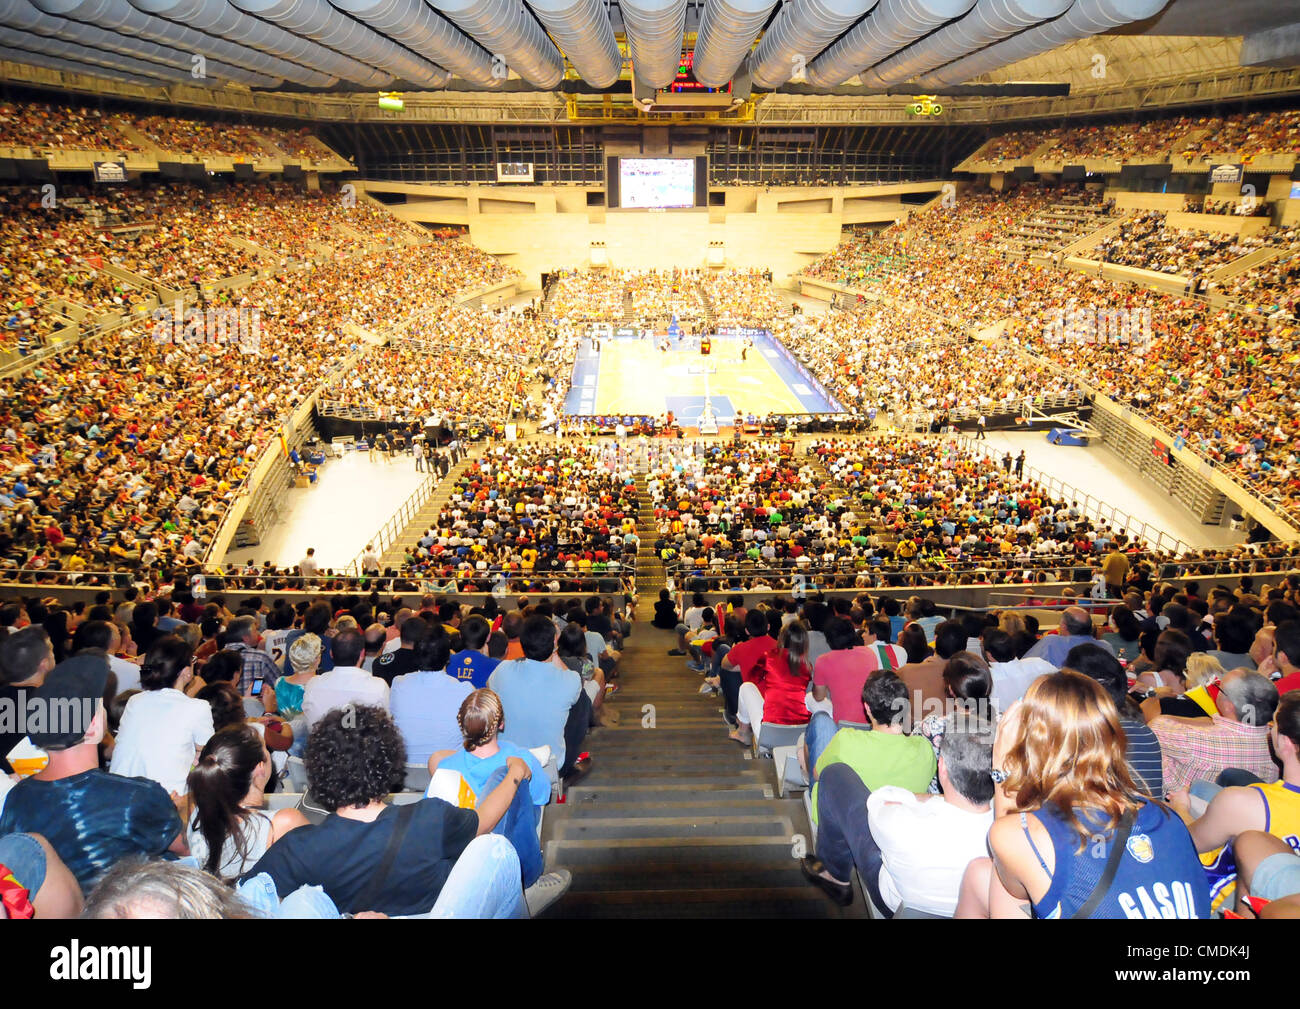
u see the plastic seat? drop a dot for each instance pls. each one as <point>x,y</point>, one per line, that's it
<point>771,735</point>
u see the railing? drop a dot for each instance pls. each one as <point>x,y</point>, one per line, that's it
<point>397,523</point>
<point>861,574</point>
<point>1093,507</point>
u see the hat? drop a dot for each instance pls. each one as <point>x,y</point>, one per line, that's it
<point>69,699</point>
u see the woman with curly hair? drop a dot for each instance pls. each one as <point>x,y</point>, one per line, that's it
<point>1074,837</point>
<point>397,860</point>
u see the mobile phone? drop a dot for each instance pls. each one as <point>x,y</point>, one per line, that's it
<point>257,687</point>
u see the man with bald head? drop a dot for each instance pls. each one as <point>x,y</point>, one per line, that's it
<point>1074,629</point>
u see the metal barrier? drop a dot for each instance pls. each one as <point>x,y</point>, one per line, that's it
<point>397,523</point>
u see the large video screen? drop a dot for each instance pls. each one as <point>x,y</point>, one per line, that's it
<point>657,182</point>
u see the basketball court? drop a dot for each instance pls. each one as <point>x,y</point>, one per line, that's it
<point>633,376</point>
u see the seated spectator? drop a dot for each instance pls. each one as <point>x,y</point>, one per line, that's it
<point>481,760</point>
<point>401,660</point>
<point>1065,808</point>
<point>968,682</point>
<point>1286,644</point>
<point>1011,676</point>
<point>1236,736</point>
<point>544,704</point>
<point>1267,868</point>
<point>924,677</point>
<point>910,850</point>
<point>774,690</point>
<point>1124,633</point>
<point>347,684</point>
<point>228,831</point>
<point>1075,628</point>
<point>304,659</point>
<point>665,617</point>
<point>472,664</point>
<point>741,660</point>
<point>92,818</point>
<point>1142,748</point>
<point>162,730</point>
<point>839,675</point>
<point>1234,633</point>
<point>1224,813</point>
<point>425,702</point>
<point>883,755</point>
<point>351,768</point>
<point>48,889</point>
<point>25,659</point>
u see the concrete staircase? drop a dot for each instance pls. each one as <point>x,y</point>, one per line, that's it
<point>674,819</point>
<point>424,518</point>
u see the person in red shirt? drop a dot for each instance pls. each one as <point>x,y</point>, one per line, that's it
<point>774,690</point>
<point>740,661</point>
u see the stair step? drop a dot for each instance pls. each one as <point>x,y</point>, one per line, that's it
<point>679,827</point>
<point>678,792</point>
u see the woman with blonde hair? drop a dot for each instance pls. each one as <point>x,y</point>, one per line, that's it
<point>1074,837</point>
<point>1012,623</point>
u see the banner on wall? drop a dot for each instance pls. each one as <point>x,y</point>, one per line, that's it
<point>1225,173</point>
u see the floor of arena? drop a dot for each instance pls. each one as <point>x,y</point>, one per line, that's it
<point>633,376</point>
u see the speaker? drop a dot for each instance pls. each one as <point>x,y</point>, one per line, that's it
<point>171,169</point>
<point>701,181</point>
<point>294,172</point>
<point>611,182</point>
<point>244,170</point>
<point>1073,173</point>
<point>1024,172</point>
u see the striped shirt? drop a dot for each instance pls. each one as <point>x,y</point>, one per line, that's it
<point>1201,750</point>
<point>1144,758</point>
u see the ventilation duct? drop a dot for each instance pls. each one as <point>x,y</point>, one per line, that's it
<point>582,30</point>
<point>85,54</point>
<point>318,20</point>
<point>727,30</point>
<point>883,32</point>
<point>802,30</point>
<point>990,21</point>
<point>1085,19</point>
<point>73,67</point>
<point>656,31</point>
<point>120,16</point>
<point>217,17</point>
<point>416,26</point>
<point>512,35</point>
<point>21,14</point>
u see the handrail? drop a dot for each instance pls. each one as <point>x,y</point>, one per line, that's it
<point>1093,507</point>
<point>398,521</point>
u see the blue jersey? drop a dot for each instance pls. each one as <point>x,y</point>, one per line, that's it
<point>472,667</point>
<point>1159,874</point>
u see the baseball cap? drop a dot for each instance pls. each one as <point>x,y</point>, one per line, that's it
<point>70,697</point>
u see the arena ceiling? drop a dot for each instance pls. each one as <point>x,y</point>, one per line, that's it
<point>519,60</point>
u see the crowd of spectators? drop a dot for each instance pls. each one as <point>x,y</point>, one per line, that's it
<point>125,456</point>
<point>197,710</point>
<point>1146,241</point>
<point>44,126</point>
<point>524,516</point>
<point>1189,701</point>
<point>1193,138</point>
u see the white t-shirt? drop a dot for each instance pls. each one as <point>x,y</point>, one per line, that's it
<point>341,686</point>
<point>256,837</point>
<point>128,673</point>
<point>159,735</point>
<point>926,847</point>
